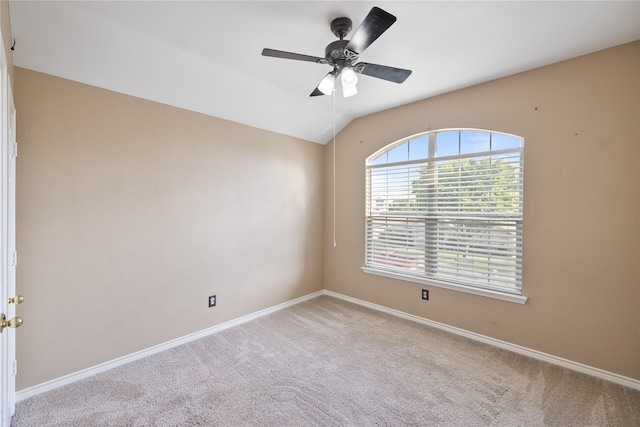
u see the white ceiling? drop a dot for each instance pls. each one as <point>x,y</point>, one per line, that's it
<point>205,56</point>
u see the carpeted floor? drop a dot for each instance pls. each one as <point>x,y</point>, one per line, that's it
<point>327,362</point>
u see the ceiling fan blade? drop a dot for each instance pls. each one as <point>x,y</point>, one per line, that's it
<point>392,74</point>
<point>316,92</point>
<point>375,23</point>
<point>289,55</point>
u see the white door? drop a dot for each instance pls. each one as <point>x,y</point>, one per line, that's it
<point>7,245</point>
<point>13,299</point>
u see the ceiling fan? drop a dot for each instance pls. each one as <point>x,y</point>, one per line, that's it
<point>341,54</point>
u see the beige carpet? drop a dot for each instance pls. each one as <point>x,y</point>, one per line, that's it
<point>327,362</point>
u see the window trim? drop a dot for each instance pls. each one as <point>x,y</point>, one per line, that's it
<point>520,299</point>
<point>516,297</point>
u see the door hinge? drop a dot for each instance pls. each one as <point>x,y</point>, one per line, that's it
<point>14,149</point>
<point>14,259</point>
<point>15,368</point>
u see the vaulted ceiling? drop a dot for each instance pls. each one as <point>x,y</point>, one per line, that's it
<point>205,56</point>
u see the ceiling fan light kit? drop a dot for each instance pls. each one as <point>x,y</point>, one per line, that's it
<point>341,54</point>
<point>327,84</point>
<point>349,81</point>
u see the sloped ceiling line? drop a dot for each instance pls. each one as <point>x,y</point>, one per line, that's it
<point>204,56</point>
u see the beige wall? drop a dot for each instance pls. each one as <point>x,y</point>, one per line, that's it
<point>131,213</point>
<point>581,124</point>
<point>5,29</point>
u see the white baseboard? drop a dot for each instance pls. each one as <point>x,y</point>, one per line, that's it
<point>535,354</point>
<point>76,376</point>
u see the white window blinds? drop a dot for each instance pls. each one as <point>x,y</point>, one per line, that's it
<point>447,206</point>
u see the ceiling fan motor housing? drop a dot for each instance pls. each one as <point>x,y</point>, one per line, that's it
<point>336,54</point>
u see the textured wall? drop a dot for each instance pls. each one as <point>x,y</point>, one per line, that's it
<point>7,39</point>
<point>581,124</point>
<point>130,213</point>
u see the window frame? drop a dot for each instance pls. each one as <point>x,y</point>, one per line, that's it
<point>423,277</point>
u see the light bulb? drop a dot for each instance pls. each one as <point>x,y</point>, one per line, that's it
<point>349,77</point>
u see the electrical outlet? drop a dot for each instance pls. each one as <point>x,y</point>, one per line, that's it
<point>212,301</point>
<point>425,294</point>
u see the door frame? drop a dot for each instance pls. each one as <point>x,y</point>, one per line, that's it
<point>8,252</point>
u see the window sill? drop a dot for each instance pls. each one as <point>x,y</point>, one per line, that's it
<point>520,299</point>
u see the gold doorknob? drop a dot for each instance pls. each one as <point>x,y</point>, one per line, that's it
<point>18,299</point>
<point>16,322</point>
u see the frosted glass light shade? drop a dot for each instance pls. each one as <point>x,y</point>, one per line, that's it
<point>327,84</point>
<point>349,80</point>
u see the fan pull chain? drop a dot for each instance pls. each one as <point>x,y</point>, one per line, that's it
<point>334,168</point>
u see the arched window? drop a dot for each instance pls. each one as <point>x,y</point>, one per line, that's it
<point>445,208</point>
